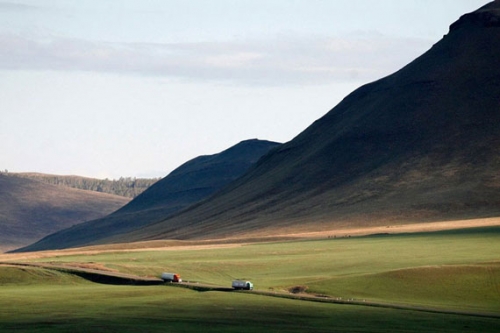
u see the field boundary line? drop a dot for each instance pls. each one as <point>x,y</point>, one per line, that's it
<point>338,300</point>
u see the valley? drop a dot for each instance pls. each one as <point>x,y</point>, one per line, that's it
<point>382,216</point>
<point>30,210</point>
<point>447,281</point>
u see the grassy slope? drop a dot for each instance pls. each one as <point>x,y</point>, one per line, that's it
<point>101,308</point>
<point>464,286</point>
<point>28,276</point>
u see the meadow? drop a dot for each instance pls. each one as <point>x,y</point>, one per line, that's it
<point>441,271</point>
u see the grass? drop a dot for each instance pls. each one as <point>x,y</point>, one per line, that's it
<point>446,270</point>
<point>86,307</point>
<point>465,287</point>
<point>28,276</point>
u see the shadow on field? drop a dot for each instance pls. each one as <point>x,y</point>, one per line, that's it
<point>114,280</point>
<point>92,275</point>
<point>196,286</point>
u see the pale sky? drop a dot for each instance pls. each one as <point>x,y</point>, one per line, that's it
<point>135,88</point>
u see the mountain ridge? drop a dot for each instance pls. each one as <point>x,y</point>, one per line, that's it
<point>421,144</point>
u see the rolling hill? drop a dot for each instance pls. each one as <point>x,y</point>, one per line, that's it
<point>190,183</point>
<point>422,144</point>
<point>30,209</point>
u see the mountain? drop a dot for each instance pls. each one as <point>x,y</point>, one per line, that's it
<point>30,209</point>
<point>422,144</point>
<point>190,183</point>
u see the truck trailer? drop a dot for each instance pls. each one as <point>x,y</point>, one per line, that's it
<point>242,285</point>
<point>171,277</point>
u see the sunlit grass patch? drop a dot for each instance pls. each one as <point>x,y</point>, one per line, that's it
<point>22,276</point>
<point>453,287</point>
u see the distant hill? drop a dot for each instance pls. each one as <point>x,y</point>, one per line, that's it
<point>190,183</point>
<point>30,209</point>
<point>422,144</point>
<point>125,186</point>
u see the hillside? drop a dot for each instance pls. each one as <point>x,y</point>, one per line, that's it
<point>30,210</point>
<point>190,183</point>
<point>422,144</point>
<point>124,186</point>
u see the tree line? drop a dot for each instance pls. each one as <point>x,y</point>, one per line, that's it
<point>125,186</point>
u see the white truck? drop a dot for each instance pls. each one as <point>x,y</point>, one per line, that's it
<point>171,277</point>
<point>242,285</point>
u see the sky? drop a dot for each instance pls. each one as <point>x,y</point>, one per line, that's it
<point>135,88</point>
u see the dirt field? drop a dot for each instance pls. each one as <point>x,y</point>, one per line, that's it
<point>406,228</point>
<point>173,245</point>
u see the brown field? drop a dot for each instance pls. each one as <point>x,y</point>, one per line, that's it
<point>404,228</point>
<point>172,245</point>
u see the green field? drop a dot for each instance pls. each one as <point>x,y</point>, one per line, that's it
<point>445,271</point>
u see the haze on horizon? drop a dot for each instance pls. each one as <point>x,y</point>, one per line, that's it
<point>136,88</point>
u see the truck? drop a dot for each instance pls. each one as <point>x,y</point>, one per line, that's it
<point>171,277</point>
<point>242,285</point>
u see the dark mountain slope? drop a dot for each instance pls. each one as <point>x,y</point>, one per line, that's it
<point>30,210</point>
<point>191,182</point>
<point>201,176</point>
<point>422,144</point>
